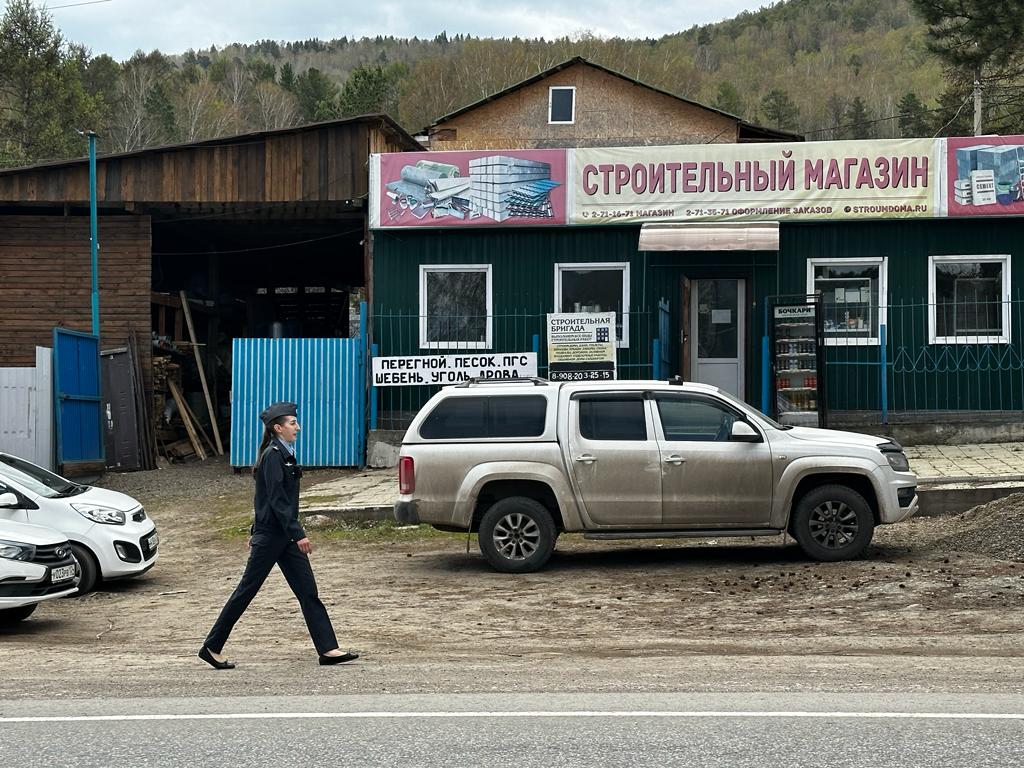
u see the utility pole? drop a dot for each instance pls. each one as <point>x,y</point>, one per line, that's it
<point>977,102</point>
<point>94,244</point>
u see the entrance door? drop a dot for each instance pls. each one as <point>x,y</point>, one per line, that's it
<point>717,323</point>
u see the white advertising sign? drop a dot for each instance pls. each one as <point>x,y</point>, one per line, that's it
<point>581,346</point>
<point>424,370</point>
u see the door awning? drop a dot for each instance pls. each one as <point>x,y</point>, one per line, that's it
<point>710,236</point>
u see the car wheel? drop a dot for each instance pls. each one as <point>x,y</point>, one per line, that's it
<point>517,535</point>
<point>11,616</point>
<point>832,523</point>
<point>89,570</point>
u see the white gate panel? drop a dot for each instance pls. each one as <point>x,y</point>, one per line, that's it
<point>26,410</point>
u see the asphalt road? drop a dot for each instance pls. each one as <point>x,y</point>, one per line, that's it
<point>549,730</point>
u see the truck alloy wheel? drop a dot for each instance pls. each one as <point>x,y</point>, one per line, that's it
<point>833,523</point>
<point>517,535</point>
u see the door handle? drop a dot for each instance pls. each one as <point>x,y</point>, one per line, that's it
<point>586,458</point>
<point>677,460</point>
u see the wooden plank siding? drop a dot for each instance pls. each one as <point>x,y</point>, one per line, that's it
<point>320,163</point>
<point>45,281</point>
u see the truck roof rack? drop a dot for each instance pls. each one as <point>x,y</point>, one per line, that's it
<point>534,380</point>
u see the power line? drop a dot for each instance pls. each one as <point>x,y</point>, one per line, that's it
<point>261,248</point>
<point>75,5</point>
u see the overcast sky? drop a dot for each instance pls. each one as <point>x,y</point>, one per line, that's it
<point>120,27</point>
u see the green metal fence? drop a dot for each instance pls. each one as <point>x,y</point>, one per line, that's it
<point>401,333</point>
<point>946,356</point>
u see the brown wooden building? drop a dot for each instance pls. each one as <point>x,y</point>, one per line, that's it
<point>265,233</point>
<point>582,104</point>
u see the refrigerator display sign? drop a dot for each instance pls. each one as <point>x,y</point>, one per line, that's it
<point>795,312</point>
<point>581,346</point>
<point>426,370</point>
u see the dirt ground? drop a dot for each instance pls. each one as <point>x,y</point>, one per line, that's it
<point>932,595</point>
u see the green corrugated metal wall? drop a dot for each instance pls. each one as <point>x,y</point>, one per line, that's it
<point>523,275</point>
<point>921,376</point>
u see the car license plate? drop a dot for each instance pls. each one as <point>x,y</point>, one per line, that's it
<point>154,539</point>
<point>64,573</point>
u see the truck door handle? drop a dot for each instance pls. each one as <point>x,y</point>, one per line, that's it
<point>677,460</point>
<point>586,458</point>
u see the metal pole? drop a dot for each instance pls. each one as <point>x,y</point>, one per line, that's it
<point>884,368</point>
<point>94,243</point>
<point>977,102</point>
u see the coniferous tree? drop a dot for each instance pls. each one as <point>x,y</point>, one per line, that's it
<point>780,111</point>
<point>913,117</point>
<point>43,100</point>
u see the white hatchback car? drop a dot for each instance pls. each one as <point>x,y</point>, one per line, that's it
<point>110,533</point>
<point>36,564</point>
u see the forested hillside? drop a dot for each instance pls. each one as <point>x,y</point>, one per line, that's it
<point>827,68</point>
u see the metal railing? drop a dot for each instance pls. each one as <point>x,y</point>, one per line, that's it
<point>920,356</point>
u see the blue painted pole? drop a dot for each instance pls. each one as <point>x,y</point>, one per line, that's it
<point>374,350</point>
<point>536,350</point>
<point>885,378</point>
<point>656,365</point>
<point>94,243</point>
<point>766,368</point>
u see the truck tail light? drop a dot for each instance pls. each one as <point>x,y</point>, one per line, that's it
<point>406,475</point>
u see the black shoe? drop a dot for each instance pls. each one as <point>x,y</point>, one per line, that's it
<point>326,660</point>
<point>205,655</point>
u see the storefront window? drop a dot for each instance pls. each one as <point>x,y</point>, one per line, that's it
<point>600,287</point>
<point>455,306</point>
<point>970,299</point>
<point>853,298</point>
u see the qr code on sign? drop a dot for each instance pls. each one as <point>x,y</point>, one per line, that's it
<point>602,334</point>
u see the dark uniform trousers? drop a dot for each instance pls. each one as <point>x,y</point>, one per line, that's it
<point>266,549</point>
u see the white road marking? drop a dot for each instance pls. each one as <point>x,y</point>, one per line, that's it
<point>514,714</point>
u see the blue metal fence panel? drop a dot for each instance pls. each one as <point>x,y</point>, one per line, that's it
<point>326,377</point>
<point>76,388</point>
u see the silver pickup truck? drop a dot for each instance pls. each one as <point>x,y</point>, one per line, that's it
<point>521,461</point>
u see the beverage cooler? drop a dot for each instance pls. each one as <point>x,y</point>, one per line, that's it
<point>797,349</point>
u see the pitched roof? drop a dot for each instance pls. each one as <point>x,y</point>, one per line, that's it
<point>755,132</point>
<point>386,123</point>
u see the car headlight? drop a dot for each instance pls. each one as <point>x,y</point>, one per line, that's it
<point>15,550</point>
<point>893,453</point>
<point>99,514</point>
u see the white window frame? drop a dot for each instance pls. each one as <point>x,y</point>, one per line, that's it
<point>578,266</point>
<point>1004,337</point>
<point>425,269</point>
<point>551,90</point>
<point>882,263</point>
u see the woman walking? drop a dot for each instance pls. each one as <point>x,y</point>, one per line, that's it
<point>277,537</point>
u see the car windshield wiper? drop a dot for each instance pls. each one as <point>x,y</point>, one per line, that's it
<point>71,490</point>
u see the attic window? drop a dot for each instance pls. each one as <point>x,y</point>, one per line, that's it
<point>562,104</point>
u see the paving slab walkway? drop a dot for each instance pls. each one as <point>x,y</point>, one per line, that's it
<point>373,492</point>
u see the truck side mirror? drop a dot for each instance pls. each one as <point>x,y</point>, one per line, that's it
<point>744,433</point>
<point>9,501</point>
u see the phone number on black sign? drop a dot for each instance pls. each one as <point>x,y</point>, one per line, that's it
<point>581,376</point>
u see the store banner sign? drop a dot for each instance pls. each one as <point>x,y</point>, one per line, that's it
<point>581,346</point>
<point>795,181</point>
<point>763,182</point>
<point>427,370</point>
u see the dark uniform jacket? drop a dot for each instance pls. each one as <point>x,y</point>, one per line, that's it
<point>277,494</point>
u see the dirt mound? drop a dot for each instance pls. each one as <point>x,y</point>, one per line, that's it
<point>995,529</point>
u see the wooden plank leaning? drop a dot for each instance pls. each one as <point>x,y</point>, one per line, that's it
<point>202,373</point>
<point>197,446</point>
